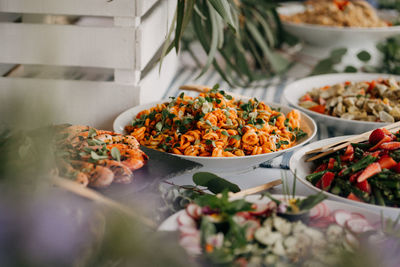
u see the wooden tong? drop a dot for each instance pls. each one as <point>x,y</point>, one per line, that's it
<point>256,189</point>
<point>204,88</point>
<point>331,148</point>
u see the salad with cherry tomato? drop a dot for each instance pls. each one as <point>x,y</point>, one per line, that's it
<point>367,172</point>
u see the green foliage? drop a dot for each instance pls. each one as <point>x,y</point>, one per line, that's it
<point>350,69</point>
<point>327,65</point>
<point>390,50</point>
<point>214,183</point>
<point>391,55</point>
<point>389,4</point>
<point>364,56</point>
<point>222,203</point>
<point>243,34</point>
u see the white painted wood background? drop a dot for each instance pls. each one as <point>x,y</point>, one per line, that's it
<point>126,45</point>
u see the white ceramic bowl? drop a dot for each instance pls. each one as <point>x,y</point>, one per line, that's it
<point>301,168</point>
<point>171,223</point>
<point>295,90</point>
<point>329,36</point>
<point>225,164</point>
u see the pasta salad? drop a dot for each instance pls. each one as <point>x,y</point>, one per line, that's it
<point>214,124</point>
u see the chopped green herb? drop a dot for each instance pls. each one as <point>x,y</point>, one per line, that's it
<point>225,133</point>
<point>159,126</point>
<point>92,133</point>
<point>237,137</point>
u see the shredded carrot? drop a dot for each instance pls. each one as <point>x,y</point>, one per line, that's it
<point>209,248</point>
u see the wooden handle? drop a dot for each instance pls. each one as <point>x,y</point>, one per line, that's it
<point>203,89</point>
<point>196,88</point>
<point>88,193</point>
<point>331,148</point>
<point>256,189</point>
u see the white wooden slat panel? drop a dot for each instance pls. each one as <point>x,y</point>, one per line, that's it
<point>4,68</point>
<point>152,31</point>
<point>106,47</point>
<point>125,8</point>
<point>9,16</point>
<point>78,102</point>
<point>143,6</point>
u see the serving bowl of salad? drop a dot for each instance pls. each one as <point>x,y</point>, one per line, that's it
<point>350,103</point>
<point>335,22</point>
<point>250,231</point>
<point>364,174</point>
<point>223,133</point>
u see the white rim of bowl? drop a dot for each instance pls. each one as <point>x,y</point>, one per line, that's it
<point>382,30</point>
<point>303,180</point>
<point>313,123</point>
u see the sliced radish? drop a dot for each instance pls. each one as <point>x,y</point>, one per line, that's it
<point>341,216</point>
<point>355,215</point>
<point>316,212</point>
<point>244,214</point>
<point>326,210</point>
<point>260,208</point>
<point>188,230</point>
<point>358,225</point>
<point>320,223</point>
<point>191,244</point>
<point>198,212</point>
<point>193,210</point>
<point>368,228</point>
<point>185,220</point>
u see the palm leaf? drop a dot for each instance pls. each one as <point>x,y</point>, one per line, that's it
<point>224,10</point>
<point>214,40</point>
<point>278,63</point>
<point>168,45</point>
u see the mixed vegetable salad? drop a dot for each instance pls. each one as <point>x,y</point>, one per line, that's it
<point>242,233</point>
<point>375,100</point>
<point>367,172</point>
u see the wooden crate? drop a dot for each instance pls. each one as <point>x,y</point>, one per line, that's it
<point>126,47</point>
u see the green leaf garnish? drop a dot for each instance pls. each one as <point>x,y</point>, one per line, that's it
<point>95,156</point>
<point>115,153</point>
<point>214,183</point>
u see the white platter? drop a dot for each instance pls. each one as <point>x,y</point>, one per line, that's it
<point>301,168</point>
<point>171,224</point>
<point>295,90</point>
<point>225,164</point>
